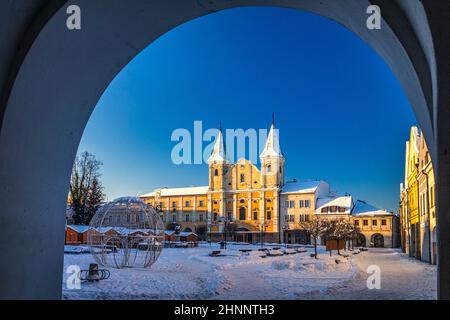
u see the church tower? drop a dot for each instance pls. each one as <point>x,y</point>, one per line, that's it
<point>219,165</point>
<point>272,160</point>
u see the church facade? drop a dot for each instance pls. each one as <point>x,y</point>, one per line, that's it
<point>252,204</point>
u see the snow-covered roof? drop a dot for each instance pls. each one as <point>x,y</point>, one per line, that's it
<point>272,147</point>
<point>218,153</point>
<point>181,234</point>
<point>178,191</point>
<point>339,201</point>
<point>361,208</point>
<point>301,187</point>
<point>78,228</point>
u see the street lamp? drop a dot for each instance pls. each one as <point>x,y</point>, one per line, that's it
<point>285,229</point>
<point>262,226</point>
<point>225,221</point>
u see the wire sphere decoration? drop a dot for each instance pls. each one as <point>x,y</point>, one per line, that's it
<point>126,233</point>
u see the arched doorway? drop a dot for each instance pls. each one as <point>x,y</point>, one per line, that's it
<point>60,121</point>
<point>377,240</point>
<point>361,240</point>
<point>244,235</point>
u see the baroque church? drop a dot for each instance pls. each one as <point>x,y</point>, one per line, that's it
<point>256,204</point>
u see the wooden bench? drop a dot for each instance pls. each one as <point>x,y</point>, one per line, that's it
<point>245,251</point>
<point>215,253</point>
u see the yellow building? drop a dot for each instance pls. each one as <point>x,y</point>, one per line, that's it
<point>417,201</point>
<point>250,203</point>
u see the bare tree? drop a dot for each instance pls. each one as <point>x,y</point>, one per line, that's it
<point>315,228</point>
<point>85,191</point>
<point>336,230</point>
<point>201,231</point>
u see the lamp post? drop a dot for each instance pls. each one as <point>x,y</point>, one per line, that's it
<point>285,228</point>
<point>262,226</point>
<point>226,222</point>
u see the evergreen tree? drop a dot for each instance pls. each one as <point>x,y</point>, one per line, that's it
<point>94,200</point>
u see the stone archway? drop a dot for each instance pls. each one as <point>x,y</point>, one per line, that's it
<point>377,240</point>
<point>42,120</point>
<point>361,240</point>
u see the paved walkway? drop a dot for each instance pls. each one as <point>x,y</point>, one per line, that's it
<point>402,278</point>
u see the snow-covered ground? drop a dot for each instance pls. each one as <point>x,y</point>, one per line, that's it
<point>193,274</point>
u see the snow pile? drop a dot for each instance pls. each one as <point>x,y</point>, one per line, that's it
<point>192,274</point>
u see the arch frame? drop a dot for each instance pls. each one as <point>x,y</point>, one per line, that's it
<point>43,121</point>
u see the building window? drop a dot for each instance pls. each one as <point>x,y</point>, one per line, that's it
<point>161,204</point>
<point>174,204</point>
<point>242,179</point>
<point>216,172</point>
<point>187,218</point>
<point>383,222</point>
<point>201,217</point>
<point>255,215</point>
<point>187,203</point>
<point>292,204</point>
<point>307,217</point>
<point>215,216</point>
<point>307,203</point>
<point>374,222</point>
<point>324,210</point>
<point>269,215</point>
<point>201,203</point>
<point>341,209</point>
<point>230,216</point>
<point>356,222</point>
<point>242,212</point>
<point>301,204</point>
<point>365,222</point>
<point>215,202</point>
<point>333,209</point>
<point>291,218</point>
<point>174,218</point>
<point>242,200</point>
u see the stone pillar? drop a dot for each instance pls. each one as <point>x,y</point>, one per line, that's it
<point>275,213</point>
<point>194,210</point>
<point>180,211</point>
<point>249,213</point>
<point>235,204</point>
<point>168,215</point>
<point>262,207</point>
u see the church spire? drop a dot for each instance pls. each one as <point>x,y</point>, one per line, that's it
<point>219,153</point>
<point>272,147</point>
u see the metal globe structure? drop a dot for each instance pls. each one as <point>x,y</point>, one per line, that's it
<point>126,233</point>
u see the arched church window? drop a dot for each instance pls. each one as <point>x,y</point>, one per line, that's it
<point>216,172</point>
<point>242,213</point>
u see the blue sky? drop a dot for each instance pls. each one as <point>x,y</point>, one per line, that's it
<point>342,114</point>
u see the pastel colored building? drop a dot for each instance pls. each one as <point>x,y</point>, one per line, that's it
<point>417,201</point>
<point>254,204</point>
